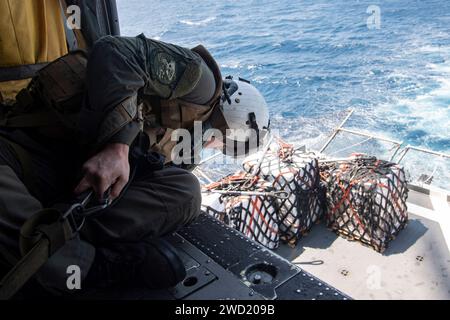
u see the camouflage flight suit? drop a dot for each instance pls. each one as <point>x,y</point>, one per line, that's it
<point>156,203</point>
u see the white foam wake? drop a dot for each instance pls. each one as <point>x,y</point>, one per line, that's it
<point>429,112</point>
<point>203,22</point>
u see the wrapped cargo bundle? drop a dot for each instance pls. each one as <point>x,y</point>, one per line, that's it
<point>296,172</point>
<point>366,200</point>
<point>246,204</point>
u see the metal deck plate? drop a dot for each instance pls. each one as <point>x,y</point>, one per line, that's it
<point>222,264</point>
<point>236,255</point>
<point>415,266</point>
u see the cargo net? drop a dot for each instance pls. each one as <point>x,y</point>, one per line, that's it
<point>366,200</point>
<point>297,173</point>
<point>247,204</point>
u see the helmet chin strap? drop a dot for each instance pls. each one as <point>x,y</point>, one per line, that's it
<point>229,87</point>
<point>254,125</point>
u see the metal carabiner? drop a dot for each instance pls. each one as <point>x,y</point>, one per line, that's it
<point>78,212</point>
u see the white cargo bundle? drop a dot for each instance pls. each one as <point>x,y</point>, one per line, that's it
<point>246,206</point>
<point>366,200</point>
<point>297,172</point>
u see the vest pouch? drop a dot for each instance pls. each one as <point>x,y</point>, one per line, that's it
<point>61,86</point>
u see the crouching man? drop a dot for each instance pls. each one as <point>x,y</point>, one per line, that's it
<point>134,93</point>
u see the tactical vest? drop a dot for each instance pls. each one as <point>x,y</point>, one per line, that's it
<point>53,100</point>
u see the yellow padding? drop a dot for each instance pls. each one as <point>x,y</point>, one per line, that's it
<point>31,31</point>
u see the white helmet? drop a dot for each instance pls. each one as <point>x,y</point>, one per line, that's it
<point>246,114</point>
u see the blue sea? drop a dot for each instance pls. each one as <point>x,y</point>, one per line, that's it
<point>315,59</point>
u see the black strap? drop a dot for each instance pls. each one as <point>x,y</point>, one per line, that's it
<point>20,72</point>
<point>24,269</point>
<point>254,125</point>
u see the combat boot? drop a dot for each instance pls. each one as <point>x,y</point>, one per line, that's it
<point>149,264</point>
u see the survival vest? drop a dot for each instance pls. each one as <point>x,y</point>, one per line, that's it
<point>54,97</point>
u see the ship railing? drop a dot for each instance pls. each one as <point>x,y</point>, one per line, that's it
<point>397,153</point>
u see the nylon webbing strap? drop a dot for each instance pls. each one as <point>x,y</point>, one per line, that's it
<point>20,72</point>
<point>24,269</point>
<point>41,236</point>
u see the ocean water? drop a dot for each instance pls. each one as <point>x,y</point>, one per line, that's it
<point>315,59</point>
